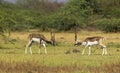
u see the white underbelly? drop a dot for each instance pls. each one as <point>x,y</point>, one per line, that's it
<point>92,43</point>
<point>36,40</point>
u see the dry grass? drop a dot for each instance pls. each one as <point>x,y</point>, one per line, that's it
<point>33,67</point>
<point>69,37</point>
<point>13,60</point>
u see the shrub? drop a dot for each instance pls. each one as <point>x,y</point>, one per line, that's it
<point>108,25</point>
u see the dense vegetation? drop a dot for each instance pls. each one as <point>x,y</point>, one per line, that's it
<point>44,15</point>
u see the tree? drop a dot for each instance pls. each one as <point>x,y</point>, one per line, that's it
<point>40,5</point>
<point>75,12</point>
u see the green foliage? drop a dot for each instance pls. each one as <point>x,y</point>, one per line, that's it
<point>18,19</point>
<point>74,13</point>
<point>29,14</point>
<point>39,5</point>
<point>108,25</point>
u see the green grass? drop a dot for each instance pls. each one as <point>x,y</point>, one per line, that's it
<point>13,59</point>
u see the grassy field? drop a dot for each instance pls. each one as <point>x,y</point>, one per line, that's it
<point>61,58</point>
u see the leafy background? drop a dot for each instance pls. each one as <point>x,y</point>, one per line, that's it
<point>45,15</point>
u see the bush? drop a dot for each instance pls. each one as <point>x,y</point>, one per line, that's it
<point>108,25</point>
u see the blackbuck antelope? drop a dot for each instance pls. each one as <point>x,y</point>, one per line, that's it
<point>40,39</point>
<point>89,41</point>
